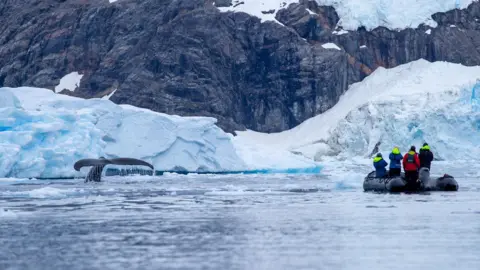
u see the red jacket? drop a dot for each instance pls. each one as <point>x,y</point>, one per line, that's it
<point>414,163</point>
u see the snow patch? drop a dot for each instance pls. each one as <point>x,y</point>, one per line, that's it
<point>428,32</point>
<point>69,82</point>
<point>331,46</point>
<point>341,32</point>
<point>263,9</point>
<point>363,47</point>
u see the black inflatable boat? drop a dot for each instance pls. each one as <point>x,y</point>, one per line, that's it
<point>398,183</point>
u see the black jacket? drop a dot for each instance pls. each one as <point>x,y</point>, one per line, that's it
<point>426,157</point>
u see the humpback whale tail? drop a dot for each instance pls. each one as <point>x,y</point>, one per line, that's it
<point>95,173</point>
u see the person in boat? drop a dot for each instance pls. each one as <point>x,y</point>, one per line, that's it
<point>425,156</point>
<point>380,166</point>
<point>411,164</point>
<point>395,162</point>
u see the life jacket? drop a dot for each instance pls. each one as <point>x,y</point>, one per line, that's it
<point>425,156</point>
<point>411,161</point>
<point>379,165</point>
<point>410,158</point>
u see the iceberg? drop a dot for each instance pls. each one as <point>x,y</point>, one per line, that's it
<point>407,105</point>
<point>42,134</point>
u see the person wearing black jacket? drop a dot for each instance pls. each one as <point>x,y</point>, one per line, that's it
<point>425,156</point>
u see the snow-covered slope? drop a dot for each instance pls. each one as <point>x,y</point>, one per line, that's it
<point>42,134</point>
<point>412,103</point>
<point>393,14</point>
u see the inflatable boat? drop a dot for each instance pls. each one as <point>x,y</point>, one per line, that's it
<point>398,183</point>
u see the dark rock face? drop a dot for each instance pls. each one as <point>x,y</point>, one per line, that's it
<point>456,39</point>
<point>185,57</point>
<point>178,57</point>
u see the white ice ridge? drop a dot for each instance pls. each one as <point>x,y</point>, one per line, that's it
<point>421,101</point>
<point>393,14</point>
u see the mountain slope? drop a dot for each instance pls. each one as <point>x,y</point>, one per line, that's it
<point>187,57</point>
<point>177,57</point>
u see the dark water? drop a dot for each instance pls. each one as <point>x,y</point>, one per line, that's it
<point>235,222</point>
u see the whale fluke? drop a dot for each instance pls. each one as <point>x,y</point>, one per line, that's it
<point>130,161</point>
<point>95,174</point>
<point>90,162</point>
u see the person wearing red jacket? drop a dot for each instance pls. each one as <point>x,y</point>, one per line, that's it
<point>411,164</point>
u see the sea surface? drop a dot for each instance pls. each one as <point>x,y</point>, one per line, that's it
<point>236,222</point>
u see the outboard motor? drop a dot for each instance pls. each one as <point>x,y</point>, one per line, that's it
<point>424,176</point>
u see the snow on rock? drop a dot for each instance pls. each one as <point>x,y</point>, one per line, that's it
<point>416,102</point>
<point>393,14</point>
<point>42,134</point>
<point>69,82</point>
<point>363,47</point>
<point>263,9</point>
<point>341,32</point>
<point>331,46</point>
<point>428,32</point>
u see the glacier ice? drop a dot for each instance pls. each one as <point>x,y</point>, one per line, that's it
<point>393,14</point>
<point>406,105</point>
<point>448,121</point>
<point>42,134</point>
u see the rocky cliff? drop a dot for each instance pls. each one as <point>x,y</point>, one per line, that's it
<point>177,57</point>
<point>456,38</point>
<point>185,57</point>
